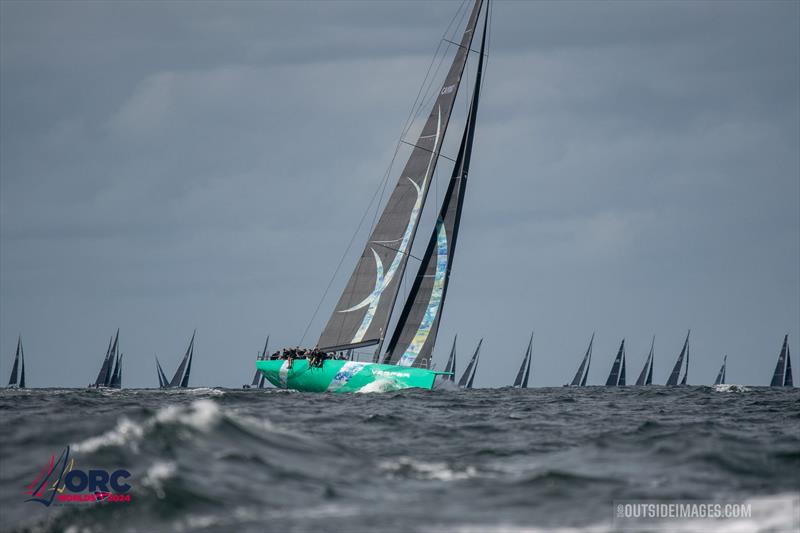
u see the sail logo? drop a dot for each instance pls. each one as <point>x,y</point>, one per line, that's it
<point>61,483</point>
<point>448,89</point>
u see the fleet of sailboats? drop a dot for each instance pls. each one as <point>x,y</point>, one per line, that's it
<point>181,377</point>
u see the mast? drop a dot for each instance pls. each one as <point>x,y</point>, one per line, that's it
<point>15,369</point>
<point>614,375</point>
<point>468,375</point>
<point>415,335</point>
<point>177,378</point>
<point>676,370</point>
<point>780,368</point>
<point>647,370</point>
<point>583,370</point>
<point>525,368</point>
<point>363,311</point>
<point>451,362</point>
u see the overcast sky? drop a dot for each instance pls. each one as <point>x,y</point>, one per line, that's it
<point>171,166</point>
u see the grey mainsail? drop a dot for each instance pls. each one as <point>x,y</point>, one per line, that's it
<point>469,375</point>
<point>13,380</point>
<point>364,308</point>
<point>415,335</point>
<point>521,380</point>
<point>647,370</point>
<point>258,379</point>
<point>721,375</point>
<point>583,370</point>
<point>177,379</point>
<point>676,370</point>
<point>451,362</point>
<point>617,373</point>
<point>779,377</point>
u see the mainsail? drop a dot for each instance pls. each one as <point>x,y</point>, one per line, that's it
<point>364,308</point>
<point>617,375</point>
<point>646,376</point>
<point>451,362</point>
<point>721,376</point>
<point>783,370</point>
<point>415,336</point>
<point>583,370</point>
<point>17,378</point>
<point>182,373</point>
<point>676,370</point>
<point>469,373</point>
<point>521,380</point>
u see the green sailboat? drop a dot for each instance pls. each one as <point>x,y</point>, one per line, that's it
<point>361,316</point>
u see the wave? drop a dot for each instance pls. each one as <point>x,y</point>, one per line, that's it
<point>405,467</point>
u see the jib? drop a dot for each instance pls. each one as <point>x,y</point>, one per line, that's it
<point>97,480</point>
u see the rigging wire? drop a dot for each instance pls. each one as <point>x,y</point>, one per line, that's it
<point>415,110</point>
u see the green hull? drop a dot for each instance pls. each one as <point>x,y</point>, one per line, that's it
<point>345,376</point>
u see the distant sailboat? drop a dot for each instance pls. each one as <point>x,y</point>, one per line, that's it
<point>676,370</point>
<point>451,363</point>
<point>106,374</point>
<point>258,379</point>
<point>783,370</point>
<point>617,376</point>
<point>162,377</point>
<point>17,380</point>
<point>469,374</point>
<point>181,377</point>
<point>583,371</point>
<point>646,376</point>
<point>721,376</point>
<point>525,369</point>
<point>116,375</point>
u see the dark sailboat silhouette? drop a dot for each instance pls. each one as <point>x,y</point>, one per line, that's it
<point>17,379</point>
<point>451,362</point>
<point>162,378</point>
<point>181,377</point>
<point>583,371</point>
<point>646,376</point>
<point>676,370</point>
<point>521,380</point>
<point>616,378</point>
<point>258,379</point>
<point>110,362</point>
<point>469,374</point>
<point>721,376</point>
<point>782,377</point>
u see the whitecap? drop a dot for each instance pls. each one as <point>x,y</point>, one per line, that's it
<point>426,470</point>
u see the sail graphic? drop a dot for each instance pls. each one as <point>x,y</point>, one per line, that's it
<point>451,362</point>
<point>415,336</point>
<point>583,370</point>
<point>258,379</point>
<point>521,380</point>
<point>182,371</point>
<point>676,370</point>
<point>721,375</point>
<point>469,375</point>
<point>617,373</point>
<point>364,308</point>
<point>647,370</point>
<point>782,376</point>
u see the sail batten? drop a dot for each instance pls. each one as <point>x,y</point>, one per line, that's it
<point>365,306</point>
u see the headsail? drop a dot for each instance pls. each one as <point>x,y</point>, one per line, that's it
<point>15,369</point>
<point>415,336</point>
<point>721,375</point>
<point>178,378</point>
<point>787,380</point>
<point>363,311</point>
<point>779,377</point>
<point>469,375</point>
<point>647,370</point>
<point>686,368</point>
<point>21,383</point>
<point>583,370</point>
<point>521,380</point>
<point>451,362</point>
<point>617,373</point>
<point>101,376</point>
<point>676,370</point>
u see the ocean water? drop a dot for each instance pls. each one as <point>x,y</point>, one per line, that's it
<point>544,459</point>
